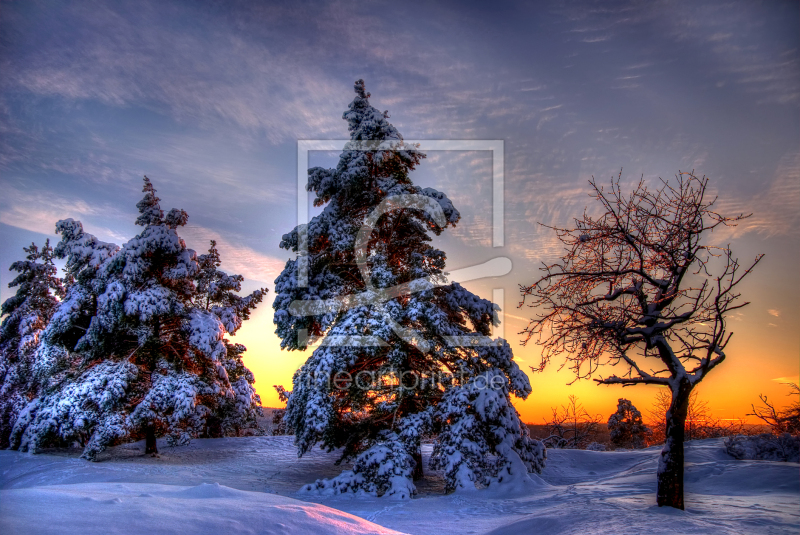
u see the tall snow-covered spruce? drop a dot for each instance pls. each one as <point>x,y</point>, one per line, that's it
<point>136,348</point>
<point>391,368</point>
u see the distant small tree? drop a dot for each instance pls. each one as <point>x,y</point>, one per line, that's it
<point>782,443</point>
<point>780,421</point>
<point>571,426</point>
<point>626,427</point>
<point>697,415</point>
<point>279,426</point>
<point>700,421</point>
<point>641,286</point>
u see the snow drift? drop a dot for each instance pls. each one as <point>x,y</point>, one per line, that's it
<point>259,478</point>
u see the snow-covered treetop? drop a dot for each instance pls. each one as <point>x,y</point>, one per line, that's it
<point>31,307</point>
<point>625,411</point>
<point>151,213</point>
<point>151,278</point>
<point>361,163</point>
<point>366,123</point>
<point>82,250</point>
<point>373,167</point>
<point>217,291</point>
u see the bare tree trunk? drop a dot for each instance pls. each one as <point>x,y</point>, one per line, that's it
<point>418,466</point>
<point>150,440</point>
<point>213,427</point>
<point>670,465</point>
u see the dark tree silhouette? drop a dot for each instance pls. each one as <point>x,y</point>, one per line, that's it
<point>785,420</point>
<point>641,286</point>
<point>625,426</point>
<point>571,426</point>
<point>700,421</point>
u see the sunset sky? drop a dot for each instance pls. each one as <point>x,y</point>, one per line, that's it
<point>209,99</point>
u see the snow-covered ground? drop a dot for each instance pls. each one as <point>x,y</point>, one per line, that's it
<point>249,485</point>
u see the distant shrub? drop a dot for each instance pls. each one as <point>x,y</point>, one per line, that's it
<point>625,426</point>
<point>700,422</point>
<point>571,427</point>
<point>596,446</point>
<point>786,420</point>
<point>279,426</point>
<point>765,447</point>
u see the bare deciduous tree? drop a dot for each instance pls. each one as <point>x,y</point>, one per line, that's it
<point>571,426</point>
<point>641,286</point>
<point>700,421</point>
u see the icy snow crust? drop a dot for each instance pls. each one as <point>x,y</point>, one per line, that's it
<point>229,485</point>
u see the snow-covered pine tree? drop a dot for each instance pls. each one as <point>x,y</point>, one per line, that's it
<point>218,292</point>
<point>368,387</point>
<point>26,314</point>
<point>136,350</point>
<point>626,427</point>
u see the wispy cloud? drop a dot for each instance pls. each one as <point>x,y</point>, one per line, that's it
<point>236,258</point>
<point>775,211</point>
<point>790,379</point>
<point>38,211</point>
<point>262,70</point>
<point>769,68</point>
<point>129,59</point>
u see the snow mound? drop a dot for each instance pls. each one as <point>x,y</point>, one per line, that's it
<point>210,490</point>
<point>133,508</point>
<point>578,492</point>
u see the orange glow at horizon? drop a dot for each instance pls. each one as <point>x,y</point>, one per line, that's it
<point>763,353</point>
<point>729,391</point>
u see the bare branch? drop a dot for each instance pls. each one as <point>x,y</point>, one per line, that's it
<point>637,283</point>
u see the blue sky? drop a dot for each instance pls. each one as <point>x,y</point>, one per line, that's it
<point>209,99</point>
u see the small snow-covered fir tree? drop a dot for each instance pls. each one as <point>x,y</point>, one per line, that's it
<point>136,349</point>
<point>377,292</point>
<point>626,427</point>
<point>218,292</point>
<point>26,314</point>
